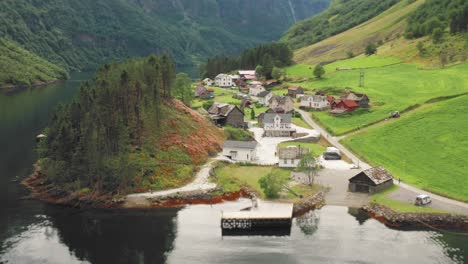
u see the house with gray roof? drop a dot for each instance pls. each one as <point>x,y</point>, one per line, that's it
<point>244,151</point>
<point>289,157</point>
<point>316,102</point>
<point>372,180</point>
<point>264,97</point>
<point>278,125</point>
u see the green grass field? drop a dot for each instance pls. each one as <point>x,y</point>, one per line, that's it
<point>381,198</point>
<point>317,149</point>
<point>391,88</point>
<point>427,148</point>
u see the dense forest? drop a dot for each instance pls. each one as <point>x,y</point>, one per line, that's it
<point>123,132</point>
<point>19,67</point>
<point>267,56</point>
<point>340,16</point>
<point>80,35</point>
<point>435,16</point>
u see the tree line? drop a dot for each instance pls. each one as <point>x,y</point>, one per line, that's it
<point>89,139</point>
<point>268,56</point>
<point>435,16</point>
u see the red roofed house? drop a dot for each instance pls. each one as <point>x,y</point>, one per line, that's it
<point>344,106</point>
<point>204,93</point>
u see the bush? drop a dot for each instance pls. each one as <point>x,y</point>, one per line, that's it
<point>371,48</point>
<point>207,105</point>
<point>272,184</point>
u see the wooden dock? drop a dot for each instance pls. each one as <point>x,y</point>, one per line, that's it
<point>267,218</point>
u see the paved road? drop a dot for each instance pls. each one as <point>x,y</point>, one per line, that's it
<point>333,140</point>
<point>437,199</point>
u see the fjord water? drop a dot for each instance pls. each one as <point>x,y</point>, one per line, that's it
<point>33,232</point>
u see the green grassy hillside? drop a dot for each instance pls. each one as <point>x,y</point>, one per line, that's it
<point>387,26</point>
<point>427,148</point>
<point>20,67</point>
<point>390,88</point>
<point>340,16</point>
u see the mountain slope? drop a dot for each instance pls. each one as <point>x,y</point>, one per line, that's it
<point>340,16</point>
<point>20,67</point>
<point>82,34</point>
<point>387,26</point>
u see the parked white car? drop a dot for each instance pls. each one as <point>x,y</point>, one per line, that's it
<point>422,200</point>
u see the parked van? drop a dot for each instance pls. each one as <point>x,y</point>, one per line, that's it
<point>422,200</point>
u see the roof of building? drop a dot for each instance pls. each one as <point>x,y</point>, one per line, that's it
<point>295,88</point>
<point>353,96</point>
<point>377,175</point>
<point>250,77</point>
<point>270,118</point>
<point>240,144</point>
<point>263,94</point>
<point>246,72</point>
<point>264,210</point>
<point>350,103</point>
<point>314,98</point>
<point>282,100</point>
<point>292,152</point>
<point>222,75</point>
<point>221,109</point>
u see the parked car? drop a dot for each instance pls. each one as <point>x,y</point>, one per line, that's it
<point>422,200</point>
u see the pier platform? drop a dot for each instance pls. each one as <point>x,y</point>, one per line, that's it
<point>266,218</point>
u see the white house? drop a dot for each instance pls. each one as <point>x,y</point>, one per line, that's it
<point>316,102</point>
<point>289,157</point>
<point>278,125</point>
<point>245,151</point>
<point>223,80</point>
<point>208,82</point>
<point>264,97</point>
<point>255,90</point>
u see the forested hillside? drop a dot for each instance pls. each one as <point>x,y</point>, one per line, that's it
<point>123,133</point>
<point>342,15</point>
<point>20,67</point>
<point>83,34</point>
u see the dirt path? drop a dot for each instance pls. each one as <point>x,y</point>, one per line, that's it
<point>201,183</point>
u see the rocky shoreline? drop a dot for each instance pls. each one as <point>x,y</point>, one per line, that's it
<point>395,219</point>
<point>313,202</point>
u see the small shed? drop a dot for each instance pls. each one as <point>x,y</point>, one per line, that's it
<point>371,181</point>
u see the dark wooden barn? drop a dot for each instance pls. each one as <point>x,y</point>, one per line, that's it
<point>372,180</point>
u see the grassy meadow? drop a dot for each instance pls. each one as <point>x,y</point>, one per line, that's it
<point>316,148</point>
<point>390,88</point>
<point>427,148</point>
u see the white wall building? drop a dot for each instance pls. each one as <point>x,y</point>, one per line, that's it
<point>289,157</point>
<point>223,80</point>
<point>255,90</point>
<point>264,97</point>
<point>278,125</point>
<point>316,102</point>
<point>245,151</point>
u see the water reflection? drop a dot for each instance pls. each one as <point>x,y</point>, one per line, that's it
<point>359,214</point>
<point>309,222</point>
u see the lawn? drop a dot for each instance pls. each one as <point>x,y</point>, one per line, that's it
<point>402,207</point>
<point>317,149</point>
<point>300,122</point>
<point>221,95</point>
<point>391,88</point>
<point>427,148</point>
<point>233,177</point>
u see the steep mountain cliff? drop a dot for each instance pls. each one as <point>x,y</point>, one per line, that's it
<point>82,34</point>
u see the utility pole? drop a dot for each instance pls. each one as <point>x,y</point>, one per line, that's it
<point>362,77</point>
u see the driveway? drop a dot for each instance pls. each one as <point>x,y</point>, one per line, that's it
<point>266,150</point>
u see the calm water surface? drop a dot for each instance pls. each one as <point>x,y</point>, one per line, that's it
<point>32,232</point>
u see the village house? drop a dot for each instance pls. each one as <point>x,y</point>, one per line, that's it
<point>344,106</point>
<point>278,125</point>
<point>226,114</point>
<point>208,82</point>
<point>244,151</point>
<point>247,74</point>
<point>261,116</point>
<point>264,97</point>
<point>289,157</point>
<point>283,104</point>
<point>294,91</point>
<point>224,80</point>
<point>361,100</point>
<point>371,181</point>
<point>240,83</point>
<point>316,102</point>
<point>203,92</point>
<point>255,90</point>
<point>270,83</point>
